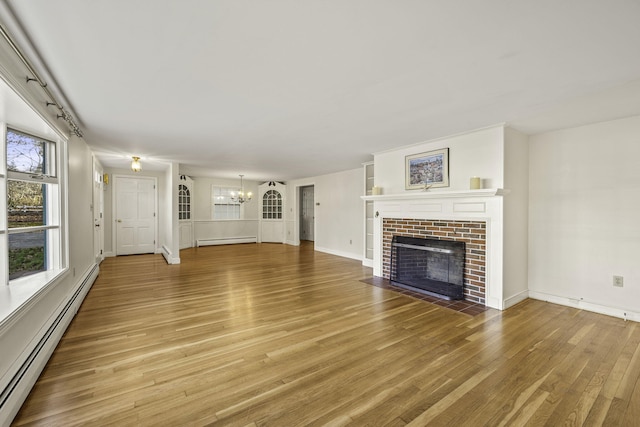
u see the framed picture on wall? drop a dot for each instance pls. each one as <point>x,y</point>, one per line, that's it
<point>427,170</point>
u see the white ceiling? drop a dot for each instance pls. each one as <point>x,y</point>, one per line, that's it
<point>286,89</point>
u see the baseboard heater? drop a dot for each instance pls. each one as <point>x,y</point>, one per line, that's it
<point>23,373</point>
<point>226,241</point>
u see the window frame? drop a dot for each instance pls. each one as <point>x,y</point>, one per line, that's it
<point>227,190</point>
<point>184,202</point>
<point>272,205</point>
<point>55,209</point>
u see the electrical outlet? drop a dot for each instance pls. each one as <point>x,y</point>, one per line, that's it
<point>618,281</point>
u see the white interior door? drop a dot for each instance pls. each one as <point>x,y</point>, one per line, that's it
<point>135,215</point>
<point>98,212</point>
<point>272,208</point>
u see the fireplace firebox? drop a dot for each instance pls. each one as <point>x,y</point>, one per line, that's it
<point>432,266</point>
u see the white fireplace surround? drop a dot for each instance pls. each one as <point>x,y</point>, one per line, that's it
<point>472,205</point>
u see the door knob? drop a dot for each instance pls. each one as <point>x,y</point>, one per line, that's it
<point>119,220</point>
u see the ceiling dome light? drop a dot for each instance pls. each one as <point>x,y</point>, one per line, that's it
<point>135,164</point>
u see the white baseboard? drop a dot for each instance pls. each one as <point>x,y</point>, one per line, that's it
<point>168,256</point>
<point>339,253</point>
<point>588,306</point>
<point>513,300</point>
<point>367,262</point>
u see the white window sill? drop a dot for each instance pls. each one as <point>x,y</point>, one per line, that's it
<point>17,295</point>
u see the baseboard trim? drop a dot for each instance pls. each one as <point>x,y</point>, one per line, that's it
<point>168,256</point>
<point>588,306</point>
<point>515,299</point>
<point>339,253</point>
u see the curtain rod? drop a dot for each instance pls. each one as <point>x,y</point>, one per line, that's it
<point>36,77</point>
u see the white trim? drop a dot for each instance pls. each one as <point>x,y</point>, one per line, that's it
<point>485,192</point>
<point>515,299</point>
<point>168,256</point>
<point>294,210</point>
<point>342,254</point>
<point>581,304</point>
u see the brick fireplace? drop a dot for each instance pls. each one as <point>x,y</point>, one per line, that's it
<point>473,216</point>
<point>472,233</point>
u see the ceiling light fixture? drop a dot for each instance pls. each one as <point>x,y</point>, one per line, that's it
<point>135,164</point>
<point>240,197</point>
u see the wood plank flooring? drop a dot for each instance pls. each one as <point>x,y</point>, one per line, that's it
<point>275,335</point>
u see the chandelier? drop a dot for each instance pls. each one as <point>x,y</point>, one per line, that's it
<point>240,196</point>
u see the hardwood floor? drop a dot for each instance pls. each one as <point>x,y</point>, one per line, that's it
<point>266,334</point>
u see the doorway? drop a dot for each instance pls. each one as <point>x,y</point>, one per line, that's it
<point>135,215</point>
<point>307,213</point>
<point>98,212</point>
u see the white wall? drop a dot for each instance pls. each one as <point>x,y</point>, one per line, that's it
<point>170,241</point>
<point>339,217</point>
<point>584,205</point>
<point>515,217</point>
<point>477,153</point>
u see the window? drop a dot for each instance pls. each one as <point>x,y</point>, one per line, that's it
<point>184,202</point>
<point>33,205</point>
<point>272,205</point>
<point>223,206</point>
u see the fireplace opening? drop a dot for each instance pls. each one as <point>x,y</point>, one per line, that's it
<point>432,266</point>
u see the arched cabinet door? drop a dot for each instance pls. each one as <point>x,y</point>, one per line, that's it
<point>271,212</point>
<point>185,207</point>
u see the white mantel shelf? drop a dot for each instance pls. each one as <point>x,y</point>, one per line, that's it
<point>485,192</point>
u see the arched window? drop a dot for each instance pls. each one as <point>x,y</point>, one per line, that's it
<point>184,202</point>
<point>272,205</point>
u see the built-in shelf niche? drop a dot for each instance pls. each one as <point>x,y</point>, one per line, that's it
<point>368,214</point>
